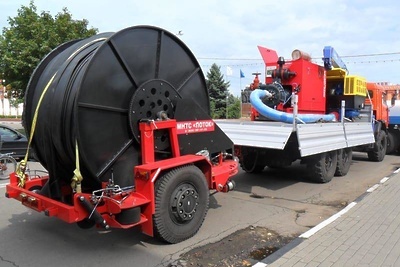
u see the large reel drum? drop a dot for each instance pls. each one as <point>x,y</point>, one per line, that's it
<point>96,90</point>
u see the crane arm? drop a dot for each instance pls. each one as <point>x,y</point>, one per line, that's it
<point>332,60</point>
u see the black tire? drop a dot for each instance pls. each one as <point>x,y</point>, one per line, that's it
<point>249,161</point>
<point>323,166</point>
<point>344,158</point>
<point>392,143</point>
<point>181,200</point>
<point>7,166</point>
<point>379,151</point>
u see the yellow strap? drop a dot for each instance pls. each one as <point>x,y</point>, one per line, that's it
<point>77,178</point>
<point>20,172</point>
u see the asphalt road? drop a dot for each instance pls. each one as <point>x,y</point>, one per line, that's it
<point>280,200</point>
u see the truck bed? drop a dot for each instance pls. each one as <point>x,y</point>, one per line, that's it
<point>312,138</point>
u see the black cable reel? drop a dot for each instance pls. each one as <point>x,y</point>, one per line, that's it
<point>102,87</point>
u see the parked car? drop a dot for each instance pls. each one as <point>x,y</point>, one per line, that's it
<point>13,141</point>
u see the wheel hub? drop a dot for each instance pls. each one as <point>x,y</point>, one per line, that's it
<point>185,202</point>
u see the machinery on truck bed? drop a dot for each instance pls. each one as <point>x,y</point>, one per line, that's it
<point>121,122</point>
<point>306,111</point>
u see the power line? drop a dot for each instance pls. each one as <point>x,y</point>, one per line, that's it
<point>348,56</point>
<point>374,55</point>
<point>221,58</point>
<point>346,62</point>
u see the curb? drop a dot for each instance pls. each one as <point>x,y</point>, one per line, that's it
<point>282,251</point>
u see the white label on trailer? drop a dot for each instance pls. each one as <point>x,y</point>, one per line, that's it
<point>200,126</point>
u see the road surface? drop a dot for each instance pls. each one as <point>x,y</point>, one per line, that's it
<point>283,201</point>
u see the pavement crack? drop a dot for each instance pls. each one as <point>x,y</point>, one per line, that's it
<point>11,262</point>
<point>313,200</point>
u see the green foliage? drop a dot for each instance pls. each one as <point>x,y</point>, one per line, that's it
<point>233,107</point>
<point>14,102</point>
<point>30,37</point>
<point>222,103</point>
<point>218,91</point>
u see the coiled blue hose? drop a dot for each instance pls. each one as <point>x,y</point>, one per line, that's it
<point>276,115</point>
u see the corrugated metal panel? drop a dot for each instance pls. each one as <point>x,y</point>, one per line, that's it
<point>258,134</point>
<point>318,138</point>
<point>313,138</point>
<point>359,134</point>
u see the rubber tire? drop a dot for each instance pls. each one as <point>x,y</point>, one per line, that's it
<point>379,151</point>
<point>344,158</point>
<point>392,143</point>
<point>249,161</point>
<point>323,166</point>
<point>166,227</point>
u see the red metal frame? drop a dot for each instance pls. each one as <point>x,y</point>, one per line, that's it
<point>217,176</point>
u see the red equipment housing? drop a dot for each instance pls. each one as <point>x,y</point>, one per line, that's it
<point>299,76</point>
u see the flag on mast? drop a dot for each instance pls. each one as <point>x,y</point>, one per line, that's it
<point>229,71</point>
<point>241,74</point>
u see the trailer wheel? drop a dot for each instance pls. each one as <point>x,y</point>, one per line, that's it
<point>344,157</point>
<point>392,143</point>
<point>379,151</point>
<point>181,201</point>
<point>323,166</point>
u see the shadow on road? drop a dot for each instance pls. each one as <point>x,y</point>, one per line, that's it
<point>272,178</point>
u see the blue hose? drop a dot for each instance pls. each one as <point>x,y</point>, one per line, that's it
<point>276,115</point>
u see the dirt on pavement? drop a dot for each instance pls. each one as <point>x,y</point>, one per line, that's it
<point>242,248</point>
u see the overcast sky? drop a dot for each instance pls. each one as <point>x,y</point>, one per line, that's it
<point>228,32</point>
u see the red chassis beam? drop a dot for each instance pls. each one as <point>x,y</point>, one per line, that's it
<point>142,196</point>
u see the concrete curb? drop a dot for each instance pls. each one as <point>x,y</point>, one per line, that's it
<point>280,252</point>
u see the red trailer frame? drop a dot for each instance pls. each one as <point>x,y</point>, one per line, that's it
<point>112,201</point>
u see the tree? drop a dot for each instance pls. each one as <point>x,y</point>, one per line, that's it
<point>234,107</point>
<point>218,91</point>
<point>30,37</point>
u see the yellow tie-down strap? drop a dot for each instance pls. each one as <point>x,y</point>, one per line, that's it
<point>21,167</point>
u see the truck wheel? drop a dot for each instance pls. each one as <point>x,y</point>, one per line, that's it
<point>344,157</point>
<point>323,166</point>
<point>249,161</point>
<point>181,204</point>
<point>392,143</point>
<point>379,151</point>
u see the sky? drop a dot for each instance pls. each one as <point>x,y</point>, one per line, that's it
<point>366,33</point>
